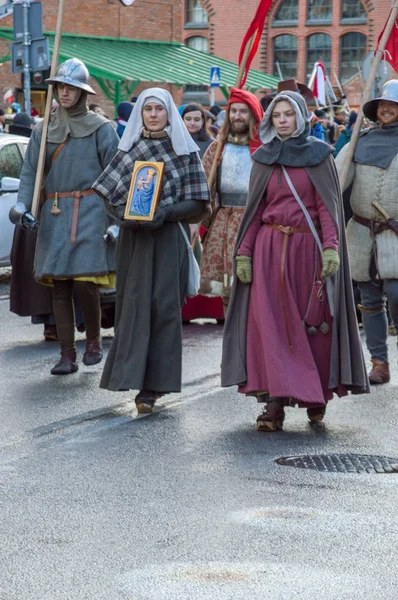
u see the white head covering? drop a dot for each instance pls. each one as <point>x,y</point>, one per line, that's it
<point>180,137</point>
<point>267,130</point>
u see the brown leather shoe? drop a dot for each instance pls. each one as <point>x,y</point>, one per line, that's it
<point>273,416</point>
<point>50,333</point>
<point>66,365</point>
<point>317,414</point>
<point>93,353</point>
<point>145,401</point>
<point>380,372</point>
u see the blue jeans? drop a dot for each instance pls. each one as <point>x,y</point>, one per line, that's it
<point>374,315</point>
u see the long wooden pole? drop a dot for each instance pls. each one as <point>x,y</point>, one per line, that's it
<point>221,137</point>
<point>342,92</point>
<point>367,93</point>
<point>47,113</point>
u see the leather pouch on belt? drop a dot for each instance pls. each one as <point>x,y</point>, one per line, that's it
<point>315,314</point>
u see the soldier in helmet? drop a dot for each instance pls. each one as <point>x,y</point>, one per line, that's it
<point>373,245</point>
<point>71,253</point>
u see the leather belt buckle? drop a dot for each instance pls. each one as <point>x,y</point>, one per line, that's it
<point>286,230</point>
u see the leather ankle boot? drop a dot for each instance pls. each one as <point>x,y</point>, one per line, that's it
<point>93,353</point>
<point>50,333</point>
<point>273,416</point>
<point>145,401</point>
<point>380,372</point>
<point>66,364</point>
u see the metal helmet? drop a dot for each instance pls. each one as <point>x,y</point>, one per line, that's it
<point>389,92</point>
<point>73,72</point>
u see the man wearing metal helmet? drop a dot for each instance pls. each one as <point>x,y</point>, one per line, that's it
<point>372,235</point>
<point>71,254</point>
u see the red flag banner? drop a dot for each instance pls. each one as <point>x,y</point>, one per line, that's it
<point>390,53</point>
<point>256,28</point>
<point>319,82</point>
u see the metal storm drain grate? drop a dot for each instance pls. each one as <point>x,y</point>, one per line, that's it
<point>342,463</point>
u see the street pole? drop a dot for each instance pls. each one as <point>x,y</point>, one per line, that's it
<point>212,96</point>
<point>26,44</point>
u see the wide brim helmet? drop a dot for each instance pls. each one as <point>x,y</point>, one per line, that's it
<point>389,92</point>
<point>73,72</point>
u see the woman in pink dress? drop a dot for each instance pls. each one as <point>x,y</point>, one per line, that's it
<point>291,338</point>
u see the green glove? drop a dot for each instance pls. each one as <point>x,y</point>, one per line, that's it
<point>330,262</point>
<point>244,268</point>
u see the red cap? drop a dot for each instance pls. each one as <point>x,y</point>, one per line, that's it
<point>248,98</point>
<point>245,97</point>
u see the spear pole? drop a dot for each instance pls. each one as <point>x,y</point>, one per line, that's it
<point>342,91</point>
<point>367,93</point>
<point>221,140</point>
<point>47,114</point>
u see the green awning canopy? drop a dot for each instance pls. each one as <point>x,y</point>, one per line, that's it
<point>119,65</point>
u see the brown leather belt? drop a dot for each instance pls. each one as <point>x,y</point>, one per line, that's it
<point>76,195</point>
<point>287,231</point>
<point>375,226</point>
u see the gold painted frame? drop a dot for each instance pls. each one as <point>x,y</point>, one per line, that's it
<point>144,192</point>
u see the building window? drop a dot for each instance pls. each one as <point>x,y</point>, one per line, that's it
<point>198,42</point>
<point>352,54</point>
<point>319,47</point>
<point>195,13</point>
<point>287,14</point>
<point>320,11</point>
<point>352,11</point>
<point>285,53</point>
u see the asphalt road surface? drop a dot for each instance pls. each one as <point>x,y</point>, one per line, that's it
<point>188,503</point>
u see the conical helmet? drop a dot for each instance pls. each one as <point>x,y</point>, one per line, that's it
<point>73,72</point>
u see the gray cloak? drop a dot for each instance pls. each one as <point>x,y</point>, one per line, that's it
<point>347,364</point>
<point>27,297</point>
<point>78,165</point>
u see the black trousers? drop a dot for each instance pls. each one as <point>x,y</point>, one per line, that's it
<point>64,311</point>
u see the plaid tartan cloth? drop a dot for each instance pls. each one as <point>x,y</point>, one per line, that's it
<point>183,178</point>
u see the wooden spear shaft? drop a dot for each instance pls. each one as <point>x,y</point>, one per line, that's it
<point>342,92</point>
<point>221,140</point>
<point>47,114</point>
<point>367,93</point>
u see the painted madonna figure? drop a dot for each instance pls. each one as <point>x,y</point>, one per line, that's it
<point>289,338</point>
<point>152,262</point>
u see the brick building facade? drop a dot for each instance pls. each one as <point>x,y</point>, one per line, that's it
<point>145,20</point>
<point>297,33</point>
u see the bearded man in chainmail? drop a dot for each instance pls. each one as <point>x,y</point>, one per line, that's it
<point>229,192</point>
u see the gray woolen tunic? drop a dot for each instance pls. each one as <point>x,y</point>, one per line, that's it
<point>76,168</point>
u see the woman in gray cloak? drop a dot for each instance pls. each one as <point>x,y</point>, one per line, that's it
<point>288,339</point>
<point>152,258</point>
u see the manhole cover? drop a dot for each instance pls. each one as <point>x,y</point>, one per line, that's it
<point>342,463</point>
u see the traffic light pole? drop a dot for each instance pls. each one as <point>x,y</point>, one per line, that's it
<point>26,44</point>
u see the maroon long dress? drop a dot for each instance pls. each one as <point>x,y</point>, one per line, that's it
<point>285,298</point>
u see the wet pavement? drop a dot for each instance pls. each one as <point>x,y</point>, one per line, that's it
<point>188,503</point>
